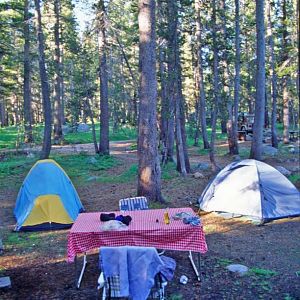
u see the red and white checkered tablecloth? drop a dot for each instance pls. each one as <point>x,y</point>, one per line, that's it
<point>86,233</point>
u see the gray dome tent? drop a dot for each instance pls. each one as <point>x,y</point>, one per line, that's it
<point>251,188</point>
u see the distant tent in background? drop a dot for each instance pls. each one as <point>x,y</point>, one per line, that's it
<point>47,199</point>
<point>254,189</point>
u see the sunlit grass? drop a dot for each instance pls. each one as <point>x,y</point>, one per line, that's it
<point>12,137</point>
<point>263,272</point>
<point>79,167</point>
<point>129,175</point>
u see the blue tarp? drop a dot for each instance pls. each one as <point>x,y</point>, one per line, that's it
<point>46,177</point>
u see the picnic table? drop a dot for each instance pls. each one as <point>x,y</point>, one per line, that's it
<point>147,229</point>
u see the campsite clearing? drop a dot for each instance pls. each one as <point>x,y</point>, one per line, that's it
<point>36,262</point>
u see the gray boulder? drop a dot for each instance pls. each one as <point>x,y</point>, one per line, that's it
<point>269,150</point>
<point>203,166</point>
<point>237,268</point>
<point>66,129</point>
<point>82,127</point>
<point>236,157</point>
<point>283,170</point>
<point>198,175</point>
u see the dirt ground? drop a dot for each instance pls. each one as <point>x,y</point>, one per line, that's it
<point>38,269</point>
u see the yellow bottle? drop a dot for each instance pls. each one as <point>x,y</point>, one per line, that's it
<point>166,217</point>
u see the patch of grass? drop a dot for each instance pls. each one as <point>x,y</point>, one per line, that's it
<point>79,167</point>
<point>122,133</point>
<point>13,136</point>
<point>176,297</point>
<point>263,272</point>
<point>13,169</point>
<point>169,171</point>
<point>22,240</point>
<point>295,178</point>
<point>224,261</point>
<point>287,296</point>
<point>127,176</point>
<point>210,228</point>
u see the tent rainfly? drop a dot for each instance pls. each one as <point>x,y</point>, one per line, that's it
<point>254,189</point>
<point>47,199</point>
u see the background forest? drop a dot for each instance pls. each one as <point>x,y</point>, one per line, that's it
<point>169,81</point>
<point>210,46</point>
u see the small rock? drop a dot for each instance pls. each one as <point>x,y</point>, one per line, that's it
<point>30,155</point>
<point>66,129</point>
<point>92,178</point>
<point>294,169</point>
<point>269,150</point>
<point>198,175</point>
<point>283,170</point>
<point>237,268</point>
<point>92,160</point>
<point>236,158</point>
<point>82,127</point>
<point>203,166</point>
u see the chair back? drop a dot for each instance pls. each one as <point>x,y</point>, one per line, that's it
<point>133,203</point>
<point>130,271</point>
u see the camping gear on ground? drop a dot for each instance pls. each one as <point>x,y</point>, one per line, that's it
<point>47,199</point>
<point>183,279</point>
<point>254,189</point>
<point>133,203</point>
<point>131,272</point>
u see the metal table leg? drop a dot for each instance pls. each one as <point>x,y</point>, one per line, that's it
<point>78,281</point>
<point>194,266</point>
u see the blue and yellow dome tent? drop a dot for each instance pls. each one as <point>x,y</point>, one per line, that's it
<point>47,199</point>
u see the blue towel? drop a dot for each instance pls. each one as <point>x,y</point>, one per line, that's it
<point>136,267</point>
<point>114,263</point>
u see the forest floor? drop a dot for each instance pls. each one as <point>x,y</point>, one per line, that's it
<point>36,262</point>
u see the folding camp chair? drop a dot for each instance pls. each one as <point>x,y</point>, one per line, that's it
<point>133,203</point>
<point>119,277</point>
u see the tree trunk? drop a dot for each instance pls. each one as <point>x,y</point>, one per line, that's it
<point>182,116</point>
<point>134,81</point>
<point>164,104</point>
<point>27,70</point>
<point>88,106</point>
<point>3,121</point>
<point>256,146</point>
<point>216,92</point>
<point>233,144</point>
<point>172,87</point>
<point>149,175</point>
<point>104,113</point>
<point>202,104</point>
<point>46,147</point>
<point>285,91</point>
<point>175,86</point>
<point>57,129</point>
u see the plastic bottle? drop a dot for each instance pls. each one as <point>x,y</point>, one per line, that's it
<point>166,217</point>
